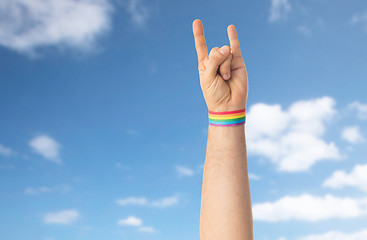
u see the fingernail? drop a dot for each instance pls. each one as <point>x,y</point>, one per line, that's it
<point>225,76</point>
<point>223,50</point>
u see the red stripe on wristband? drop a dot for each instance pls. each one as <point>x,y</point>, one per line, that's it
<point>228,112</point>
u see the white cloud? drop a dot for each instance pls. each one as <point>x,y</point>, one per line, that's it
<point>5,151</point>
<point>360,108</point>
<point>26,25</point>
<point>336,235</point>
<point>39,190</point>
<point>304,30</point>
<point>130,221</point>
<point>164,202</point>
<point>136,222</point>
<point>184,171</point>
<point>279,9</point>
<point>47,147</point>
<point>138,11</point>
<point>309,208</point>
<point>352,134</point>
<point>292,139</point>
<point>357,178</point>
<point>62,217</point>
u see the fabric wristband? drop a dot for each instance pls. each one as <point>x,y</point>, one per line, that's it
<point>229,118</point>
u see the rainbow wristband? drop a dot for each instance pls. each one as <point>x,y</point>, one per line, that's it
<point>230,118</point>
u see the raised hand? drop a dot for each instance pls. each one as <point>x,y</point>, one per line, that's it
<point>223,75</point>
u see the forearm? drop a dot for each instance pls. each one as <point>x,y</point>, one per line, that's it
<point>225,202</point>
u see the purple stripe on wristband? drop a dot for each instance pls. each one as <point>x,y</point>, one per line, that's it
<point>225,125</point>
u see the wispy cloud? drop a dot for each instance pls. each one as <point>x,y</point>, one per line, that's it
<point>183,171</point>
<point>253,176</point>
<point>303,30</point>
<point>26,25</point>
<point>166,202</point>
<point>147,229</point>
<point>123,166</point>
<point>309,208</point>
<point>292,139</point>
<point>62,217</point>
<point>360,18</point>
<point>132,132</point>
<point>39,190</point>
<point>352,134</point>
<point>132,201</point>
<point>337,235</point>
<point>279,9</point>
<point>47,147</point>
<point>5,151</point>
<point>138,11</point>
<point>142,201</point>
<point>356,178</point>
<point>361,109</point>
<point>7,167</point>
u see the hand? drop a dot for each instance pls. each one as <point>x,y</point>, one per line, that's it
<point>221,94</point>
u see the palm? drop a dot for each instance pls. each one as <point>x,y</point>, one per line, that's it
<point>239,76</point>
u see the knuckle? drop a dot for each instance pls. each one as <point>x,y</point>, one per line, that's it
<point>214,49</point>
<point>201,67</point>
<point>214,52</point>
<point>215,56</point>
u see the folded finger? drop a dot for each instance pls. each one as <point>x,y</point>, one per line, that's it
<point>216,58</point>
<point>225,68</point>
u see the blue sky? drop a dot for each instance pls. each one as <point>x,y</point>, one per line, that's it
<point>103,124</point>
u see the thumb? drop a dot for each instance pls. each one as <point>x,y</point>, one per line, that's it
<point>216,57</point>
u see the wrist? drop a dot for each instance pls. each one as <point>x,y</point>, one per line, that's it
<point>238,129</point>
<point>227,138</point>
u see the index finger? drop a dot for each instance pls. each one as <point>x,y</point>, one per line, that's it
<point>200,44</point>
<point>234,42</point>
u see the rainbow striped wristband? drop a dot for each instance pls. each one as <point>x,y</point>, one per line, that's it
<point>230,118</point>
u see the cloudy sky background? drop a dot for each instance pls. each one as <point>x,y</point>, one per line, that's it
<point>103,124</point>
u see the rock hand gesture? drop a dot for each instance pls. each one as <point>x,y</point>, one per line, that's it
<point>223,75</point>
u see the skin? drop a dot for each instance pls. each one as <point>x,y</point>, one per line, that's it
<point>225,201</point>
